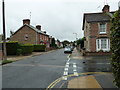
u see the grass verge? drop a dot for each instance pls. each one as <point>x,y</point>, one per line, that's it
<point>6,61</point>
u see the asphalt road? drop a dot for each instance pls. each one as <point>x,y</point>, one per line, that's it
<point>41,71</point>
<point>34,72</point>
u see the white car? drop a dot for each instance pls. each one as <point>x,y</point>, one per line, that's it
<point>67,50</point>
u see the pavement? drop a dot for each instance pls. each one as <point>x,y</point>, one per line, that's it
<point>93,80</point>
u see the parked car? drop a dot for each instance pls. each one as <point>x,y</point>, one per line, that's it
<point>67,50</point>
<point>72,48</point>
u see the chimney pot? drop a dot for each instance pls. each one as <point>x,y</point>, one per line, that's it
<point>106,8</point>
<point>26,21</point>
<point>38,27</point>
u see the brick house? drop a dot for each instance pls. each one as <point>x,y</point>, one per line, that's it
<point>96,27</point>
<point>28,34</point>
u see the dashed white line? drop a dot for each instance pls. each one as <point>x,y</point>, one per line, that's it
<point>74,66</point>
<point>67,65</point>
<point>64,78</point>
<point>66,69</point>
<point>65,73</point>
<point>74,70</point>
<point>75,73</point>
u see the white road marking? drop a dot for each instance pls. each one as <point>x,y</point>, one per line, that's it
<point>74,63</point>
<point>65,73</point>
<point>66,69</point>
<point>74,70</point>
<point>64,78</point>
<point>67,65</point>
<point>74,66</point>
<point>75,73</point>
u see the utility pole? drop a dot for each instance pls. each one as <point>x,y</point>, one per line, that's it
<point>4,35</point>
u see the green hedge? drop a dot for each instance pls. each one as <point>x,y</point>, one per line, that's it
<point>11,48</point>
<point>39,47</point>
<point>115,47</point>
<point>27,49</point>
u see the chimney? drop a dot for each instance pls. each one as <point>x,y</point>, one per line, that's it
<point>45,32</point>
<point>38,27</point>
<point>106,9</point>
<point>26,21</point>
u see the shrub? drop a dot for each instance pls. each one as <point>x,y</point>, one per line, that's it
<point>39,47</point>
<point>27,49</point>
<point>115,47</point>
<point>19,51</point>
<point>11,47</point>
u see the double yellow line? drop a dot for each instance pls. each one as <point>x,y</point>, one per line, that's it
<point>61,78</point>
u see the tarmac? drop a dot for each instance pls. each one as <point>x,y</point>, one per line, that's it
<point>101,81</point>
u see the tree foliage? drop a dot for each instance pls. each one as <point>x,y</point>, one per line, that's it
<point>80,42</point>
<point>115,46</point>
<point>65,42</point>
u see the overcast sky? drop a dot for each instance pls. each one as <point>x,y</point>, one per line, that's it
<point>59,18</point>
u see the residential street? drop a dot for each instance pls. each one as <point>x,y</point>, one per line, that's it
<point>41,71</point>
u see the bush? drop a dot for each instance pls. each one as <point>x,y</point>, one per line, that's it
<point>27,49</point>
<point>19,51</point>
<point>115,47</point>
<point>6,61</point>
<point>39,47</point>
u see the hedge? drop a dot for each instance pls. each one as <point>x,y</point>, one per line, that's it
<point>27,49</point>
<point>11,47</point>
<point>115,47</point>
<point>38,47</point>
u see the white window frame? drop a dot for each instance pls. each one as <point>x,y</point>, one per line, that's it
<point>99,44</point>
<point>101,31</point>
<point>26,37</point>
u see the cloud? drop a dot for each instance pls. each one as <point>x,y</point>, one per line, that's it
<point>60,18</point>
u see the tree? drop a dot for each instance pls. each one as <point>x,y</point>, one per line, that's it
<point>65,43</point>
<point>80,42</point>
<point>53,43</point>
<point>115,46</point>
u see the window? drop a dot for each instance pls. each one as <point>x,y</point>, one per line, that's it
<point>26,37</point>
<point>102,28</point>
<point>103,44</point>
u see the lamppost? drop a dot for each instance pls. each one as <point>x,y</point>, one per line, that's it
<point>76,35</point>
<point>76,38</point>
<point>4,35</point>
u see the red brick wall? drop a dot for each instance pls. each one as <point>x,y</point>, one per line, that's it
<point>20,36</point>
<point>94,33</point>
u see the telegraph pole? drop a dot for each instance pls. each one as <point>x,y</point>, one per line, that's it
<point>4,35</point>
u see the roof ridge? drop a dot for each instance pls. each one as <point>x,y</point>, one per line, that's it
<point>98,12</point>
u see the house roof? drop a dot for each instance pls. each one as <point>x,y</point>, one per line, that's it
<point>96,17</point>
<point>33,28</point>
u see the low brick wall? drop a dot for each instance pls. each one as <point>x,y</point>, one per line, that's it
<point>97,53</point>
<point>84,53</point>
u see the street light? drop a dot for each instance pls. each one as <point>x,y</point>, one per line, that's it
<point>76,35</point>
<point>4,35</point>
